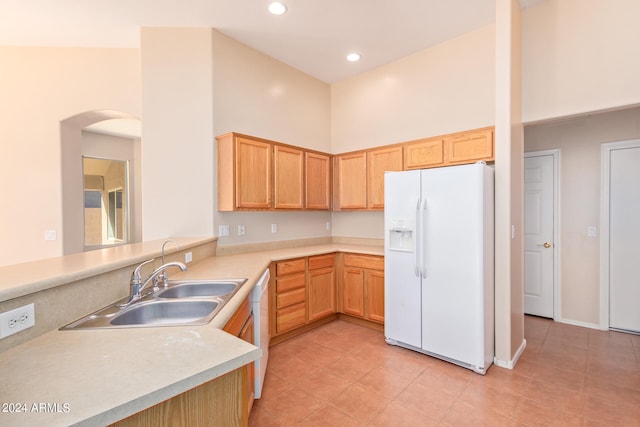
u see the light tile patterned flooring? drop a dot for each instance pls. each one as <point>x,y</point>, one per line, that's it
<point>343,374</point>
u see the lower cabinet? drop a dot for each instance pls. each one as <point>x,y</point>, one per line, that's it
<point>308,289</point>
<point>363,287</point>
<point>321,286</point>
<point>304,291</point>
<point>241,325</point>
<point>217,403</point>
<point>290,295</point>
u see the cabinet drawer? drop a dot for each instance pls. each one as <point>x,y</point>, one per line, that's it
<point>290,266</point>
<point>288,283</point>
<point>290,317</point>
<point>285,299</point>
<point>364,261</point>
<point>321,261</point>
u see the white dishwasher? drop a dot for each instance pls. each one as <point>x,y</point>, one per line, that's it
<point>260,307</point>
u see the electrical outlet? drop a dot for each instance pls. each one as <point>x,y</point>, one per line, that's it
<point>241,230</point>
<point>16,320</point>
<point>223,231</point>
<point>274,228</point>
<point>188,257</point>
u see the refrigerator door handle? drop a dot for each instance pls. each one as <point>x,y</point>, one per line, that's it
<point>423,238</point>
<point>417,240</point>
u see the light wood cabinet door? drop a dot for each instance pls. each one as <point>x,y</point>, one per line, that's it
<point>471,146</point>
<point>424,153</point>
<point>351,186</point>
<point>247,335</point>
<point>253,174</point>
<point>353,291</point>
<point>322,293</point>
<point>378,162</point>
<point>318,181</point>
<point>374,309</point>
<point>288,177</point>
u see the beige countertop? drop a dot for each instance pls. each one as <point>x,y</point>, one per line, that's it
<point>22,279</point>
<point>96,377</point>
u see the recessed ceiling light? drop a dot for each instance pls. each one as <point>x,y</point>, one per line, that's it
<point>277,8</point>
<point>353,57</point>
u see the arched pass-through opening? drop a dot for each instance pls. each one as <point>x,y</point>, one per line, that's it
<point>74,147</point>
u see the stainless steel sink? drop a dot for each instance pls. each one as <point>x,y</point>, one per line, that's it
<point>181,303</point>
<point>188,289</point>
<point>158,313</point>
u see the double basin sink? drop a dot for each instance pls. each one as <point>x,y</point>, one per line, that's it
<point>181,303</point>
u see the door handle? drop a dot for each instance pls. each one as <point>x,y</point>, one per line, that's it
<point>546,245</point>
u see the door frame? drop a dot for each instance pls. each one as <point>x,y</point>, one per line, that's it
<point>605,170</point>
<point>555,153</point>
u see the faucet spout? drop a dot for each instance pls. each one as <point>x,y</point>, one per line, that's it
<point>169,241</point>
<point>162,272</point>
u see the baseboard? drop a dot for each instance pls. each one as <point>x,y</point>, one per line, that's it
<point>582,324</point>
<point>510,364</point>
<point>362,322</point>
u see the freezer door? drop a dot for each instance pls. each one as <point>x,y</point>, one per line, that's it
<point>453,312</point>
<point>402,293</point>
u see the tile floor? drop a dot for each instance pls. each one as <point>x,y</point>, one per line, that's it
<point>343,374</point>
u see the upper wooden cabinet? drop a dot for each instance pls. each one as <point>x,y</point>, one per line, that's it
<point>458,148</point>
<point>244,173</point>
<point>258,174</point>
<point>359,177</point>
<point>378,162</point>
<point>318,181</point>
<point>424,153</point>
<point>471,146</point>
<point>288,177</point>
<point>350,181</point>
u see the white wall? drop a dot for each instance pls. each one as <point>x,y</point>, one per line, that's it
<point>256,95</point>
<point>39,87</point>
<point>444,89</point>
<point>177,132</point>
<point>579,141</point>
<point>579,56</point>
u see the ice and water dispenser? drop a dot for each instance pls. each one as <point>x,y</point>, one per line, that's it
<point>401,235</point>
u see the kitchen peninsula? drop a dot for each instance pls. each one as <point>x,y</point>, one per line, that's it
<point>98,377</point>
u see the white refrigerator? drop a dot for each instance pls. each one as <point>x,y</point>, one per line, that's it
<point>439,256</point>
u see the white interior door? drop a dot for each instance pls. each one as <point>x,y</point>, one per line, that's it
<point>624,235</point>
<point>539,244</point>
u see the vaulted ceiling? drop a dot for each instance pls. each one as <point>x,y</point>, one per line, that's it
<point>314,36</point>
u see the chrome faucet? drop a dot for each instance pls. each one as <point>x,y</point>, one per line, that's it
<point>158,274</point>
<point>137,285</point>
